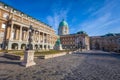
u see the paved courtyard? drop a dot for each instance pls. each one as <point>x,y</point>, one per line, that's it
<point>92,65</point>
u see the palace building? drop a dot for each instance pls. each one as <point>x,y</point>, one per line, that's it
<point>79,40</point>
<point>14,34</point>
<point>108,42</point>
<point>14,30</point>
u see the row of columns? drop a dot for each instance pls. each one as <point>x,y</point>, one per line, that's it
<point>21,33</point>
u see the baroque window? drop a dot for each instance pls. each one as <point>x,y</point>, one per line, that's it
<point>5,15</point>
<point>3,25</point>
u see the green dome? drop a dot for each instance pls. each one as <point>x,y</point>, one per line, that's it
<point>63,23</point>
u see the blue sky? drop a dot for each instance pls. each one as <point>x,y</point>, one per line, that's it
<point>96,17</point>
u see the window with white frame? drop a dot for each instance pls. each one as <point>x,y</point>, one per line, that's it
<point>5,15</point>
<point>3,25</point>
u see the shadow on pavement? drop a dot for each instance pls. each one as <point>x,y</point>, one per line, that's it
<point>116,55</point>
<point>10,62</point>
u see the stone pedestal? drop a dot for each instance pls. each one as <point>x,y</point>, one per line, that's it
<point>60,47</point>
<point>28,58</point>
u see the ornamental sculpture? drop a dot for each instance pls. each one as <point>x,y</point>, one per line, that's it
<point>30,47</point>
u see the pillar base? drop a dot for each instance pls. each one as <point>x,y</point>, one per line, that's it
<point>28,58</point>
<point>28,64</point>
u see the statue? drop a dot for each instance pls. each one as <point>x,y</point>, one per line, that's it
<point>29,52</point>
<point>58,44</point>
<point>30,47</point>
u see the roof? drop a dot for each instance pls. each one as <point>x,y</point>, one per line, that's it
<point>111,34</point>
<point>107,35</point>
<point>24,13</point>
<point>80,32</point>
<point>63,23</point>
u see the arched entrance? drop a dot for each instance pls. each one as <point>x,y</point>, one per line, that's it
<point>40,46</point>
<point>23,46</point>
<point>44,46</point>
<point>97,46</point>
<point>36,46</point>
<point>15,46</point>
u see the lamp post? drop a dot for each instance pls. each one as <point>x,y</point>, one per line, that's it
<point>80,45</point>
<point>77,42</point>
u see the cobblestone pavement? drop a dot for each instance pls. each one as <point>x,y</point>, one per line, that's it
<point>92,65</point>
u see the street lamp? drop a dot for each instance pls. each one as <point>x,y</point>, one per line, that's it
<point>80,46</point>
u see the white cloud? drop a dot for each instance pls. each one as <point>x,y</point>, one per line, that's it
<point>102,20</point>
<point>56,18</point>
<point>59,12</point>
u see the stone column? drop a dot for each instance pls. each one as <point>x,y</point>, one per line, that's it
<point>39,37</point>
<point>20,37</point>
<point>43,42</point>
<point>33,46</point>
<point>17,34</point>
<point>49,42</point>
<point>8,32</point>
<point>46,41</point>
<point>33,38</point>
<point>11,30</point>
<point>9,46</point>
<point>23,35</point>
<point>27,34</point>
<point>19,46</point>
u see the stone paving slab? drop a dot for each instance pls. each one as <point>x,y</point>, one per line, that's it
<point>80,66</point>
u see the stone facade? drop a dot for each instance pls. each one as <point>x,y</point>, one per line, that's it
<point>79,40</point>
<point>75,41</point>
<point>14,30</point>
<point>108,42</point>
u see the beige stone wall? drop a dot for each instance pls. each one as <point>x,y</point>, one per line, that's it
<point>17,29</point>
<point>72,41</point>
<point>108,43</point>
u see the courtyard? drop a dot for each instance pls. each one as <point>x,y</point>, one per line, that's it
<point>90,65</point>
